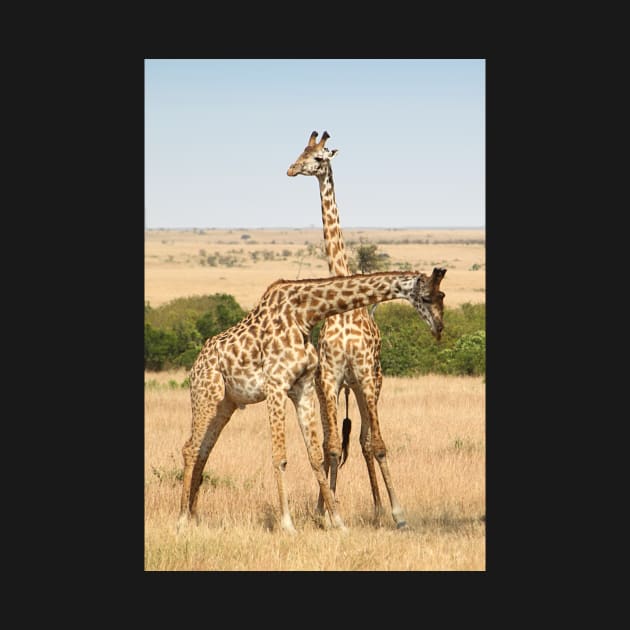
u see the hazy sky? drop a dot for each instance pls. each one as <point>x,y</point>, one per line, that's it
<point>220,135</point>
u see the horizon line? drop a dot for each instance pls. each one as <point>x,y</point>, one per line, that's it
<point>313,227</point>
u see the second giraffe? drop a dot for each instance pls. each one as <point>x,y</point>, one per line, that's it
<point>349,348</point>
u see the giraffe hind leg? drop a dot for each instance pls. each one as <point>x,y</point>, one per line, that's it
<point>368,456</point>
<point>373,446</point>
<point>211,412</point>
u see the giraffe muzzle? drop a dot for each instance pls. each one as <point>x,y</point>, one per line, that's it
<point>292,171</point>
<point>437,331</point>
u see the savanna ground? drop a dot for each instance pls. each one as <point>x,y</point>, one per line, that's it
<point>433,426</point>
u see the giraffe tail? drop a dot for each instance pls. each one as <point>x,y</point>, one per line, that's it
<point>345,431</point>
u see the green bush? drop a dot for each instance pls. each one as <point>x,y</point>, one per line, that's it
<point>159,347</point>
<point>190,308</point>
<point>409,349</point>
<point>175,332</point>
<point>466,319</point>
<point>467,356</point>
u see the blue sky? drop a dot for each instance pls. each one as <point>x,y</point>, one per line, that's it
<point>220,135</point>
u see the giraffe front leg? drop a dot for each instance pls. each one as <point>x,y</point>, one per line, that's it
<point>190,454</point>
<point>275,409</point>
<point>303,397</point>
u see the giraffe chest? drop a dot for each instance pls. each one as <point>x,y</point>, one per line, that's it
<point>246,389</point>
<point>241,365</point>
<point>249,373</point>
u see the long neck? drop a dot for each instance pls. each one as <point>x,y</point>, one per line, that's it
<point>333,239</point>
<point>321,298</point>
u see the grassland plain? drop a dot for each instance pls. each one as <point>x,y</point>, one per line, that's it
<point>434,427</point>
<point>243,262</point>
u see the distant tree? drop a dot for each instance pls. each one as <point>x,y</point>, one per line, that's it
<point>366,260</point>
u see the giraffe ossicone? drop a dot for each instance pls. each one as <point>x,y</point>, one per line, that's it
<point>268,356</point>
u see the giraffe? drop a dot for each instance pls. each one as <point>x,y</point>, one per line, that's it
<point>268,356</point>
<point>349,349</point>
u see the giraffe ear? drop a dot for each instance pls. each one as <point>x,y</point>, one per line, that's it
<point>332,153</point>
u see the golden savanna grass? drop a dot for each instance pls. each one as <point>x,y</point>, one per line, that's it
<point>173,268</point>
<point>434,428</point>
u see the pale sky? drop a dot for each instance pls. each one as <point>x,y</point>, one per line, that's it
<point>220,135</point>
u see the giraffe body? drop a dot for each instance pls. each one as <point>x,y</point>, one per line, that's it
<point>268,356</point>
<point>349,346</point>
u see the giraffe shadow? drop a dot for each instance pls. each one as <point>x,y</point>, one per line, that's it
<point>308,516</point>
<point>447,523</point>
<point>305,515</point>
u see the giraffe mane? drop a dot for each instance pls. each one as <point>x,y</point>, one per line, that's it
<point>353,275</point>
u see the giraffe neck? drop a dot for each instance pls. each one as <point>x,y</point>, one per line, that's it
<point>333,239</point>
<point>313,300</point>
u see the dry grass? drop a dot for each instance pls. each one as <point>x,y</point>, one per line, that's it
<point>173,268</point>
<point>434,428</point>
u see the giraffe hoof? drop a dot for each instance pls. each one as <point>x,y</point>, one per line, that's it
<point>286,524</point>
<point>182,524</point>
<point>402,525</point>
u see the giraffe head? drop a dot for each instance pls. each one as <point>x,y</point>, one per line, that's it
<point>426,297</point>
<point>315,159</point>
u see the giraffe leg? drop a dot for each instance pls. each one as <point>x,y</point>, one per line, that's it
<point>303,397</point>
<point>276,411</point>
<point>372,445</point>
<point>327,394</point>
<point>211,412</point>
<point>368,456</point>
<point>326,436</point>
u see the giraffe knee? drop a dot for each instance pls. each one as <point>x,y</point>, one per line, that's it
<point>334,449</point>
<point>369,451</point>
<point>316,458</point>
<point>317,464</point>
<point>374,447</point>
